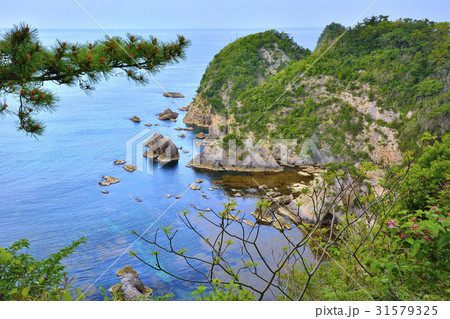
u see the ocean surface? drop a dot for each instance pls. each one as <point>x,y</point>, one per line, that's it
<point>49,190</point>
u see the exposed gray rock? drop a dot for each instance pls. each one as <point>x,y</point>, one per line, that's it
<point>173,95</point>
<point>135,119</point>
<point>280,224</point>
<point>161,148</point>
<point>168,114</point>
<point>263,216</point>
<point>129,168</point>
<point>131,286</point>
<point>195,187</point>
<point>109,180</point>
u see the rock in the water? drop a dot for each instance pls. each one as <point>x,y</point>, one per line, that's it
<point>109,180</point>
<point>173,120</point>
<point>302,173</point>
<point>131,286</point>
<point>237,195</point>
<point>105,192</point>
<point>186,108</point>
<point>135,119</point>
<point>178,197</point>
<point>280,224</point>
<point>169,196</point>
<point>129,168</point>
<point>263,216</point>
<point>248,222</point>
<point>230,217</point>
<point>178,129</point>
<point>173,94</point>
<point>188,128</point>
<point>200,135</point>
<point>119,162</point>
<point>181,135</point>
<point>284,200</point>
<point>168,114</point>
<point>137,199</point>
<point>195,187</point>
<point>216,187</point>
<point>199,180</point>
<point>210,189</point>
<point>161,148</point>
<point>148,124</point>
<point>205,197</point>
<point>185,152</point>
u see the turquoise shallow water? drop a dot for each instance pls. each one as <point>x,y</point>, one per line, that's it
<point>49,189</point>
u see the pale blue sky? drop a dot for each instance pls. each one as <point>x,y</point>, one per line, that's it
<point>193,14</point>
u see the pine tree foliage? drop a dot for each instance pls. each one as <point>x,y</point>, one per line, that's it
<point>25,65</point>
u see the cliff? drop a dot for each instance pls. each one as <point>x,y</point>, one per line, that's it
<point>369,97</point>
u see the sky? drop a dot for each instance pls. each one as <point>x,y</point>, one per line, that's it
<point>208,14</point>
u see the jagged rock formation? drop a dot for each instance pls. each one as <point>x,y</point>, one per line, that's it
<point>168,114</point>
<point>213,157</point>
<point>173,95</point>
<point>161,149</point>
<point>129,168</point>
<point>109,180</point>
<point>131,286</point>
<point>135,119</point>
<point>348,107</point>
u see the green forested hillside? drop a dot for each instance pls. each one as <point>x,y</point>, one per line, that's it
<point>381,78</point>
<point>245,63</point>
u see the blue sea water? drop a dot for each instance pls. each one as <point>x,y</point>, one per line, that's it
<point>49,190</point>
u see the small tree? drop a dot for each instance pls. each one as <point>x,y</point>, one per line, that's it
<point>25,65</point>
<point>24,278</point>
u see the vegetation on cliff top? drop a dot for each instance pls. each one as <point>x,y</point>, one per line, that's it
<point>402,66</point>
<point>245,63</point>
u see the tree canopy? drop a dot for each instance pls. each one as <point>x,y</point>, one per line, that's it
<point>25,65</point>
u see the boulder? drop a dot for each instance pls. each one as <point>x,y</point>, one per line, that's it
<point>105,192</point>
<point>228,216</point>
<point>199,180</point>
<point>169,196</point>
<point>148,124</point>
<point>200,135</point>
<point>173,95</point>
<point>109,180</point>
<point>205,197</point>
<point>168,114</point>
<point>173,120</point>
<point>135,119</point>
<point>119,162</point>
<point>186,108</point>
<point>131,286</point>
<point>263,216</point>
<point>161,148</point>
<point>129,168</point>
<point>181,135</point>
<point>248,222</point>
<point>178,197</point>
<point>280,224</point>
<point>195,187</point>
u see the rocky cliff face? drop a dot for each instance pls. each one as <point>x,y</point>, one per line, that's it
<point>352,104</point>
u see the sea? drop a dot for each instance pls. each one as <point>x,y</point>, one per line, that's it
<point>49,191</point>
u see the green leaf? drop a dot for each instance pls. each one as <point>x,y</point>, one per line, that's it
<point>67,296</point>
<point>25,292</point>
